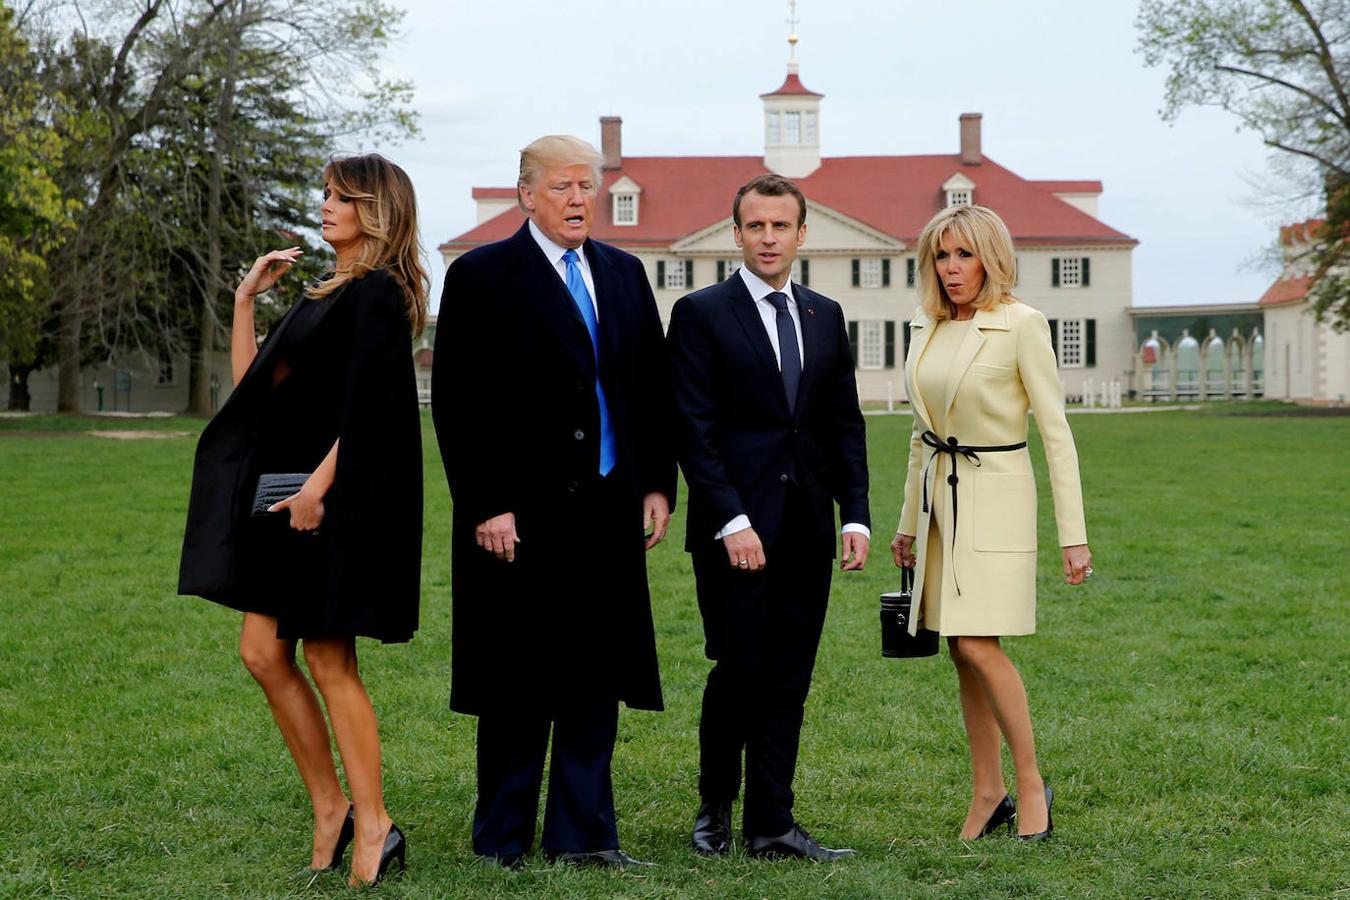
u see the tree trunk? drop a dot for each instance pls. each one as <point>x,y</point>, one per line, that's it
<point>20,400</point>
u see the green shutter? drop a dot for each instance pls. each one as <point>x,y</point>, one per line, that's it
<point>1090,339</point>
<point>886,273</point>
<point>890,344</point>
<point>721,270</point>
<point>853,339</point>
<point>1054,272</point>
<point>689,274</point>
<point>661,273</point>
<point>806,273</point>
<point>857,273</point>
<point>1084,264</point>
<point>910,271</point>
<point>907,337</point>
<point>1054,335</point>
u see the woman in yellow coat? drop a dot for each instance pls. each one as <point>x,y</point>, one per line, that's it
<point>978,359</point>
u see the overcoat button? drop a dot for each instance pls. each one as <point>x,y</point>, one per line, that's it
<point>782,478</point>
<point>581,384</point>
<point>952,479</point>
<point>572,487</point>
<point>952,441</point>
<point>579,435</point>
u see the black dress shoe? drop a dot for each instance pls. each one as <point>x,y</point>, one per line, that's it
<point>794,842</point>
<point>1003,814</point>
<point>513,861</point>
<point>609,859</point>
<point>712,829</point>
<point>1049,820</point>
<point>344,837</point>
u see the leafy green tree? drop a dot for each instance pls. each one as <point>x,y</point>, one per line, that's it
<point>1283,68</point>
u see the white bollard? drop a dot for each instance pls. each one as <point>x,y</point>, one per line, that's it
<point>1089,396</point>
<point>1115,395</point>
<point>1106,395</point>
<point>890,397</point>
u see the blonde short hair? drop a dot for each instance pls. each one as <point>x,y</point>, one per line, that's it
<point>556,151</point>
<point>982,232</point>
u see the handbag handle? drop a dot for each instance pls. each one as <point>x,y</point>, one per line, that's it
<point>907,580</point>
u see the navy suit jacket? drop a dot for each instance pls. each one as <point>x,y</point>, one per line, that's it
<point>742,447</point>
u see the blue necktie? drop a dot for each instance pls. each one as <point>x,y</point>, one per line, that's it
<point>582,297</point>
<point>790,359</point>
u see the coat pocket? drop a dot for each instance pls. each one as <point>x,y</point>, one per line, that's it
<point>1004,518</point>
<point>988,371</point>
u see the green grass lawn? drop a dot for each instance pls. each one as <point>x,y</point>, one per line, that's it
<point>1190,704</point>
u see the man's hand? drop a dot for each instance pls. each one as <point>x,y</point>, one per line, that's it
<point>498,536</point>
<point>744,551</point>
<point>853,551</point>
<point>656,514</point>
<point>902,548</point>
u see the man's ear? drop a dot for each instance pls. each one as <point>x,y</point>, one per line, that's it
<point>801,234</point>
<point>736,234</point>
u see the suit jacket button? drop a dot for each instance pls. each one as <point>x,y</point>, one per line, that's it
<point>581,384</point>
<point>782,478</point>
<point>579,435</point>
<point>572,487</point>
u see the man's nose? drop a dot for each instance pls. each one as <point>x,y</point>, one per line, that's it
<point>575,195</point>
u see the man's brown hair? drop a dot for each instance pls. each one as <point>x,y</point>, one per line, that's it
<point>770,186</point>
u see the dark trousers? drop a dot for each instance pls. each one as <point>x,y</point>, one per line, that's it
<point>762,630</point>
<point>579,812</point>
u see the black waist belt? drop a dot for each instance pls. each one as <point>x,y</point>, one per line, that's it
<point>952,447</point>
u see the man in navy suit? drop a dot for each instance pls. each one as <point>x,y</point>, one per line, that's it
<point>553,409</point>
<point>772,437</point>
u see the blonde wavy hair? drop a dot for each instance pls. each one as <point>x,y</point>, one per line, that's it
<point>982,232</point>
<point>386,209</point>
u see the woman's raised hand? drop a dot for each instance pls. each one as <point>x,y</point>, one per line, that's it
<point>266,270</point>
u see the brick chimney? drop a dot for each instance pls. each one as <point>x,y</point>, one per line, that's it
<point>611,141</point>
<point>970,139</point>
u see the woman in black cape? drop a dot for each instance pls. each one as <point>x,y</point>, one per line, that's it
<point>330,393</point>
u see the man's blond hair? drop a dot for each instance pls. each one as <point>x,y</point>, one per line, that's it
<point>556,151</point>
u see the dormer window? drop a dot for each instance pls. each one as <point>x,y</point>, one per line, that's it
<point>624,195</point>
<point>960,190</point>
<point>771,128</point>
<point>792,128</point>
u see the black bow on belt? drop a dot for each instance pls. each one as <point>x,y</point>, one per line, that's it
<point>952,447</point>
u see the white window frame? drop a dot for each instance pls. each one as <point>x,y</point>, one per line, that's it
<point>810,130</point>
<point>772,129</point>
<point>675,275</point>
<point>792,127</point>
<point>631,216</point>
<point>1072,342</point>
<point>1071,271</point>
<point>959,198</point>
<point>871,343</point>
<point>869,273</point>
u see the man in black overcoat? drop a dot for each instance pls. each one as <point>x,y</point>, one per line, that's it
<point>772,437</point>
<point>552,402</point>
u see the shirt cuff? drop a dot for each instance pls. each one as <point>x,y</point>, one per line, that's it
<point>859,529</point>
<point>740,523</point>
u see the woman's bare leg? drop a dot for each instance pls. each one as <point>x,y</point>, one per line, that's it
<point>332,663</point>
<point>982,735</point>
<point>1007,698</point>
<point>272,663</point>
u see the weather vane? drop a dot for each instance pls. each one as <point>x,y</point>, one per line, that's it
<point>792,30</point>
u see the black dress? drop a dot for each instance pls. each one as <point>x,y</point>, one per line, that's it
<point>334,369</point>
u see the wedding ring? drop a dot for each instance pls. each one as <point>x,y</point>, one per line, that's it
<point>744,562</point>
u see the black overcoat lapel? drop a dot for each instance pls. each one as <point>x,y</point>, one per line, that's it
<point>540,282</point>
<point>743,307</point>
<point>608,300</point>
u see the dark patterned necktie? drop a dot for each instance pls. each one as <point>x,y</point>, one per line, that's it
<point>789,357</point>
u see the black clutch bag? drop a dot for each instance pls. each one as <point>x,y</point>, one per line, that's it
<point>896,641</point>
<point>275,488</point>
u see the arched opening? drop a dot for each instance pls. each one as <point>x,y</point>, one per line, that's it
<point>1215,366</point>
<point>1187,366</point>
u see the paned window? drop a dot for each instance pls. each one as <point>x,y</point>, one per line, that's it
<point>792,128</point>
<point>1071,343</point>
<point>625,209</point>
<point>771,128</point>
<point>810,130</point>
<point>1070,271</point>
<point>870,272</point>
<point>958,198</point>
<point>871,344</point>
<point>675,279</point>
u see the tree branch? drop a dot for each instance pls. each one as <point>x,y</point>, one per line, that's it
<point>1324,57</point>
<point>1280,82</point>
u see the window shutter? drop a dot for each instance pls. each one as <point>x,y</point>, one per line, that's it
<point>689,274</point>
<point>1054,272</point>
<point>857,273</point>
<point>1054,335</point>
<point>1084,265</point>
<point>806,273</point>
<point>853,339</point>
<point>890,344</point>
<point>886,272</point>
<point>721,270</point>
<point>661,273</point>
<point>1090,339</point>
<point>910,273</point>
<point>907,337</point>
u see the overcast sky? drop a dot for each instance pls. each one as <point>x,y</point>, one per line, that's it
<point>1063,93</point>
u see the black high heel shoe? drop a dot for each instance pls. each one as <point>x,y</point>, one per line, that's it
<point>395,846</point>
<point>344,837</point>
<point>1003,814</point>
<point>1049,820</point>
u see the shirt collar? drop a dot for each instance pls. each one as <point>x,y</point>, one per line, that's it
<point>759,288</point>
<point>553,251</point>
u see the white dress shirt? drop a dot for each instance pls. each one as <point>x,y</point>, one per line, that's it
<point>768,315</point>
<point>555,256</point>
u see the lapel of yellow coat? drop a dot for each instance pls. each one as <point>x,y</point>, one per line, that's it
<point>920,330</point>
<point>995,319</point>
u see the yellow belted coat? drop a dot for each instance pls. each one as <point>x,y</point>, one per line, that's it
<point>1004,365</point>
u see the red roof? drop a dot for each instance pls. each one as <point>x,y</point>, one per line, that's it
<point>1070,187</point>
<point>896,195</point>
<point>1286,290</point>
<point>486,193</point>
<point>792,85</point>
<point>1300,232</point>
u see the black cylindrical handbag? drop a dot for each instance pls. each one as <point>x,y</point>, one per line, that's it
<point>896,641</point>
